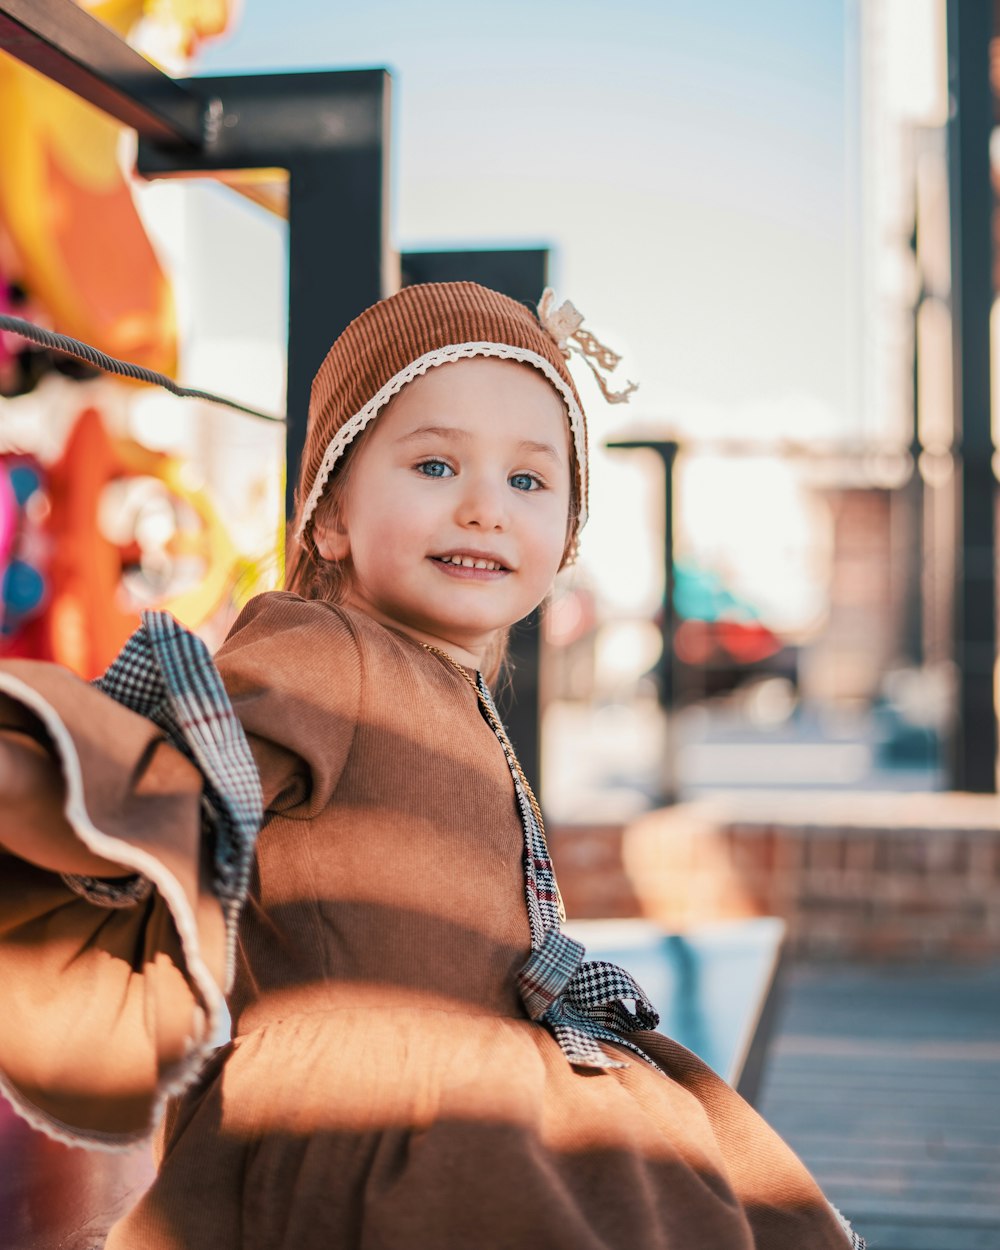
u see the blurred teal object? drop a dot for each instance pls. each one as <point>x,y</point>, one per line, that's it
<point>701,595</point>
<point>23,549</point>
<point>902,743</point>
<point>23,587</point>
<point>24,480</point>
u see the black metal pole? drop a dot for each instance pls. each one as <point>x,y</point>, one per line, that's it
<point>338,264</point>
<point>522,274</point>
<point>970,29</point>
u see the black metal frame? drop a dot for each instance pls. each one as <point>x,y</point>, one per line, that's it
<point>329,130</point>
<point>970,30</point>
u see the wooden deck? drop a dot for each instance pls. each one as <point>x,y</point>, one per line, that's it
<point>886,1081</point>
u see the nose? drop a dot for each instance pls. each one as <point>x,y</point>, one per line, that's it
<point>483,503</point>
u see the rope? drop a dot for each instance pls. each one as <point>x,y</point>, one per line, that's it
<point>83,351</point>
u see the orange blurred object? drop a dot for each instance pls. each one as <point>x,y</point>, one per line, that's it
<point>66,204</point>
<point>100,547</point>
<point>86,621</point>
<point>82,249</point>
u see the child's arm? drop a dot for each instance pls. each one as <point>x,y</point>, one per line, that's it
<point>111,997</point>
<point>112,991</point>
<point>32,820</point>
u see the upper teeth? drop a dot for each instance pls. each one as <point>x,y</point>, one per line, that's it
<point>468,562</point>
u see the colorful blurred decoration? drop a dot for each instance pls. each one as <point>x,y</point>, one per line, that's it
<point>68,208</point>
<point>79,246</point>
<point>24,551</point>
<point>87,621</point>
<point>721,635</point>
<point>110,529</point>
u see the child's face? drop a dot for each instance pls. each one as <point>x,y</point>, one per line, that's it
<point>470,462</point>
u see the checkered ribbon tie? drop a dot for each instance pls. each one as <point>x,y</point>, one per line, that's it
<point>583,1002</point>
<point>165,673</point>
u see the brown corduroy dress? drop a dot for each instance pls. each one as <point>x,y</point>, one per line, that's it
<point>384,1088</point>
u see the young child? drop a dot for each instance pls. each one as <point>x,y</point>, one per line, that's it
<point>420,1058</point>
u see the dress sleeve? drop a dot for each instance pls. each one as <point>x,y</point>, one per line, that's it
<point>292,670</point>
<point>113,989</point>
<point>106,1010</point>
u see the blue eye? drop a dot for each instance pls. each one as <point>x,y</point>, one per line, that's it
<point>435,468</point>
<point>525,482</point>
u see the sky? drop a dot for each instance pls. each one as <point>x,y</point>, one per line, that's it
<point>687,162</point>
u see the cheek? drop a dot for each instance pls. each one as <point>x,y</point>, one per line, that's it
<point>549,541</point>
<point>393,527</point>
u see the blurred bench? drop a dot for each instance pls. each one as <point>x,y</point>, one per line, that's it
<point>715,989</point>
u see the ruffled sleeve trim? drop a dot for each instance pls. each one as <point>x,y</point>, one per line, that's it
<point>207,1016</point>
<point>159,778</point>
<point>108,847</point>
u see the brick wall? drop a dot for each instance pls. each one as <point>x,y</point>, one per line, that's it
<point>880,876</point>
<point>860,636</point>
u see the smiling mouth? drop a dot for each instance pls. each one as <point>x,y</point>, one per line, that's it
<point>477,564</point>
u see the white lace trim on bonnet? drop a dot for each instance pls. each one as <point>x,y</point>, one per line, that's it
<point>441,356</point>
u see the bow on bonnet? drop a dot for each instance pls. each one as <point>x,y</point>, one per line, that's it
<point>565,326</point>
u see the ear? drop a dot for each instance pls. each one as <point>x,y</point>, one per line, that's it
<point>331,540</point>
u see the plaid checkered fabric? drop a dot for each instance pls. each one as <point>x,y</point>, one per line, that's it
<point>581,1002</point>
<point>166,674</point>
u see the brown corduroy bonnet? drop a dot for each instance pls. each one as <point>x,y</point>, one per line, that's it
<point>420,328</point>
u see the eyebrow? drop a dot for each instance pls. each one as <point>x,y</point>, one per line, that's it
<point>448,431</point>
